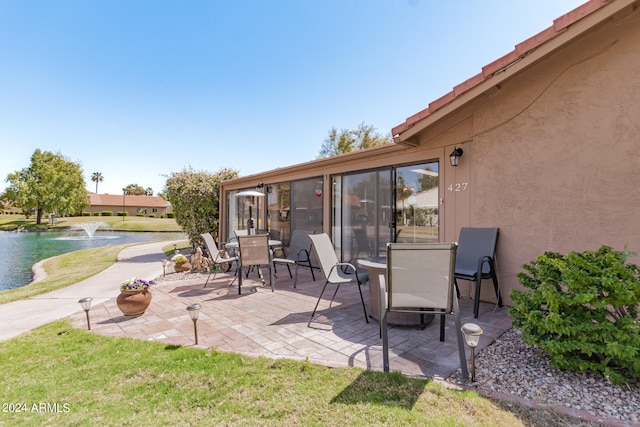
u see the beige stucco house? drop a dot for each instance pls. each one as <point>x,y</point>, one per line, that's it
<point>133,205</point>
<point>550,135</point>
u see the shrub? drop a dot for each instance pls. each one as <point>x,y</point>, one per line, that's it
<point>582,309</point>
<point>121,213</point>
<point>141,214</point>
<point>86,213</point>
<point>106,213</point>
<point>170,215</point>
<point>96,214</point>
<point>152,215</point>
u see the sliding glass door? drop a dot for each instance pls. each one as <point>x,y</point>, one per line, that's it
<point>417,203</point>
<point>392,204</point>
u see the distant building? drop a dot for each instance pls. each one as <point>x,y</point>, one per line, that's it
<point>133,205</point>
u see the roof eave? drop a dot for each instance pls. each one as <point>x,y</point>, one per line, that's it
<point>534,49</point>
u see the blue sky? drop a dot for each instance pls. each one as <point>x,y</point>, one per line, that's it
<point>137,89</point>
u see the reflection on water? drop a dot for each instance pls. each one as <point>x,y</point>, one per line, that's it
<point>20,251</point>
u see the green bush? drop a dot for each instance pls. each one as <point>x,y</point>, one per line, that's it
<point>582,309</point>
<point>152,215</point>
<point>106,213</point>
<point>96,214</point>
<point>123,213</point>
<point>140,214</point>
<point>86,213</point>
<point>170,215</point>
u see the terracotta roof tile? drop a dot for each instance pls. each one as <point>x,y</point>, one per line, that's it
<point>136,201</point>
<point>521,50</point>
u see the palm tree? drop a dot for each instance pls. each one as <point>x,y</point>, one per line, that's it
<point>97,177</point>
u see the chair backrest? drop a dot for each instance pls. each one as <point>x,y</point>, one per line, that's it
<point>210,244</point>
<point>299,242</point>
<point>323,248</point>
<point>473,244</point>
<point>254,249</point>
<point>420,276</point>
<point>241,232</point>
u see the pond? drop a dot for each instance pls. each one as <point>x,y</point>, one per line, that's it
<point>20,251</point>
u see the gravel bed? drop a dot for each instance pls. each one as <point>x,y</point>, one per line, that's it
<point>510,366</point>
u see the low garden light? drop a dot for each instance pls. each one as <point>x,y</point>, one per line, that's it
<point>194,312</point>
<point>85,303</point>
<point>472,334</point>
<point>164,267</point>
<point>175,248</point>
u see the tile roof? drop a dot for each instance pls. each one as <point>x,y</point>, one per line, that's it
<point>490,70</point>
<point>136,201</point>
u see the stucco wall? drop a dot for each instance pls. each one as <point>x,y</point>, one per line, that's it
<point>556,152</point>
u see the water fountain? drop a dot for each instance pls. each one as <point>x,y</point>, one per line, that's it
<point>90,229</point>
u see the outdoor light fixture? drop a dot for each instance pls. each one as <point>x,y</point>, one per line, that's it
<point>164,267</point>
<point>194,311</point>
<point>85,303</point>
<point>175,248</point>
<point>455,155</point>
<point>472,334</point>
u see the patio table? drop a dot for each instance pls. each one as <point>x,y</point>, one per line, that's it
<point>376,266</point>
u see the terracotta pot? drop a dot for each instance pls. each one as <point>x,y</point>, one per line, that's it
<point>182,266</point>
<point>133,303</point>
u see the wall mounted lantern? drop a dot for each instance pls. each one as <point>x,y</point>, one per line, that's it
<point>455,155</point>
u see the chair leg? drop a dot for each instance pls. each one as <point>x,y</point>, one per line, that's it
<point>494,277</point>
<point>295,279</point>
<point>476,302</point>
<point>363,306</point>
<point>289,269</point>
<point>442,320</point>
<point>461,350</point>
<point>334,295</point>
<point>316,307</point>
<point>240,280</point>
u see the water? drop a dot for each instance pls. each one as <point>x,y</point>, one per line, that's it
<point>20,251</point>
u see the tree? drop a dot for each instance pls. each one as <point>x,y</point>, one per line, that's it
<point>97,177</point>
<point>345,141</point>
<point>195,198</point>
<point>136,190</point>
<point>51,183</point>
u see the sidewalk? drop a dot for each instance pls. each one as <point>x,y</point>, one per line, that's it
<point>142,261</point>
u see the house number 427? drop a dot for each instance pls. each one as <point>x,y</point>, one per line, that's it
<point>458,186</point>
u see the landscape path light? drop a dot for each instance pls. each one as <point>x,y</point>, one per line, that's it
<point>472,334</point>
<point>164,267</point>
<point>85,303</point>
<point>194,312</point>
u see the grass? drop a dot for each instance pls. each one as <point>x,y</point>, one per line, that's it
<point>72,267</point>
<point>130,223</point>
<point>65,376</point>
<point>96,380</point>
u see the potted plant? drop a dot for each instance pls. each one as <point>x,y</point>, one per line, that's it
<point>135,296</point>
<point>181,263</point>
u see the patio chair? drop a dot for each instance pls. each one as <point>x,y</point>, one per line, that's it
<point>420,279</point>
<point>476,260</point>
<point>218,257</point>
<point>298,254</point>
<point>335,272</point>
<point>254,251</point>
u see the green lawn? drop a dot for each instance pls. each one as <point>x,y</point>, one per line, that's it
<point>57,376</point>
<point>129,223</point>
<point>88,379</point>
